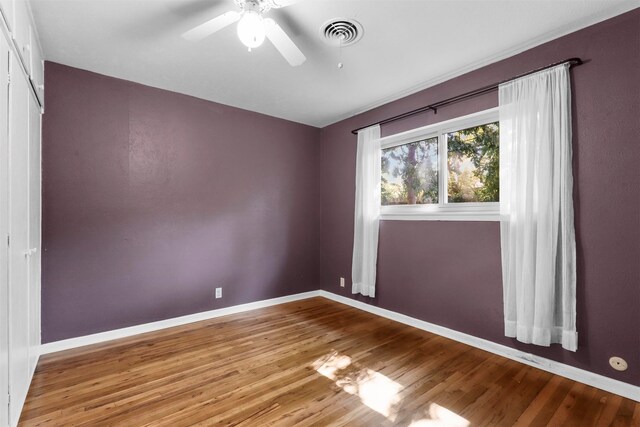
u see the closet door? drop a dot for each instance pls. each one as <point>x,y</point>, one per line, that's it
<point>21,32</point>
<point>34,232</point>
<point>6,6</point>
<point>4,232</point>
<point>19,249</point>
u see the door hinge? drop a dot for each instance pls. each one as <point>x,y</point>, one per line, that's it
<point>8,240</point>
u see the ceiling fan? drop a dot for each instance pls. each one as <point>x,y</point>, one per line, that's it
<point>253,28</point>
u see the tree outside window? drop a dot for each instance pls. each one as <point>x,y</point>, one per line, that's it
<point>410,171</point>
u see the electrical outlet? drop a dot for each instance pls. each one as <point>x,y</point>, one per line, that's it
<point>342,282</point>
<point>218,292</point>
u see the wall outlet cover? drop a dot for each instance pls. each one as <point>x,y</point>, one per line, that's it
<point>218,292</point>
<point>618,363</point>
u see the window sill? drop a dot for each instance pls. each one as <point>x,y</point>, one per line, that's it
<point>412,214</point>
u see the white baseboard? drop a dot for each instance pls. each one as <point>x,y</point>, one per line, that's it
<point>55,346</point>
<point>599,381</point>
<point>604,383</point>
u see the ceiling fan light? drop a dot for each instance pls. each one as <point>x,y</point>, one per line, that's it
<point>251,29</point>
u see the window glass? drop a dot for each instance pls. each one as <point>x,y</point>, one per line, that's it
<point>473,164</point>
<point>410,173</point>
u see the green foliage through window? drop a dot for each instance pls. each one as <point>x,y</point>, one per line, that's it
<point>473,160</point>
<point>410,173</point>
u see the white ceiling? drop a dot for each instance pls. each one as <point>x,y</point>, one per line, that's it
<point>407,46</point>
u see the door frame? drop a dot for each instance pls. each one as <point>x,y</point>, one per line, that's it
<point>5,308</point>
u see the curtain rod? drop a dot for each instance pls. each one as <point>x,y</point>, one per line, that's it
<point>434,107</point>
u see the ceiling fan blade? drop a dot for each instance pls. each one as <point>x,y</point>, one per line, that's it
<point>211,26</point>
<point>282,3</point>
<point>283,43</point>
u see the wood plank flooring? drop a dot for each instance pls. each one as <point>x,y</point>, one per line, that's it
<point>312,362</point>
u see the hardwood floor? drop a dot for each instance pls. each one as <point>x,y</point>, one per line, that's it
<point>312,362</point>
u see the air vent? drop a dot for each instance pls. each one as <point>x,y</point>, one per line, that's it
<point>341,32</point>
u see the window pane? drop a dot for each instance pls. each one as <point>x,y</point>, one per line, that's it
<point>474,164</point>
<point>410,173</point>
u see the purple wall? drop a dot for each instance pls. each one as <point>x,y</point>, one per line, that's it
<point>152,199</point>
<point>448,273</point>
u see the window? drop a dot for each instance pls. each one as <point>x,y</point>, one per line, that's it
<point>410,173</point>
<point>473,164</point>
<point>449,170</point>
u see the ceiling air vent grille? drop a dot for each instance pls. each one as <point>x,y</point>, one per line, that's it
<point>341,32</point>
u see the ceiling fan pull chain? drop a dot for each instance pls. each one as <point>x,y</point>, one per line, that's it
<point>340,64</point>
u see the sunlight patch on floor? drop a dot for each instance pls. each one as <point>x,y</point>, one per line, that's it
<point>374,389</point>
<point>438,416</point>
<point>379,392</point>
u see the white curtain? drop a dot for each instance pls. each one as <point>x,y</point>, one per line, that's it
<point>536,208</point>
<point>367,212</point>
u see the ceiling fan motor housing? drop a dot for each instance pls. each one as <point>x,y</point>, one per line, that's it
<point>260,6</point>
<point>252,28</point>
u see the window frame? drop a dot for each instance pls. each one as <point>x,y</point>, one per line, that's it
<point>443,210</point>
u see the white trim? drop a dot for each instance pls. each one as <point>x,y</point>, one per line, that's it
<point>488,211</point>
<point>617,9</point>
<point>580,375</point>
<point>493,215</point>
<point>55,346</point>
<point>435,129</point>
<point>604,383</point>
<point>21,400</point>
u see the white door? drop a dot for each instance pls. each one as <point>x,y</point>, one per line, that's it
<point>34,232</point>
<point>7,11</point>
<point>19,239</point>
<point>4,233</point>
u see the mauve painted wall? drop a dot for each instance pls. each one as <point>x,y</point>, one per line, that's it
<point>449,273</point>
<point>151,199</point>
